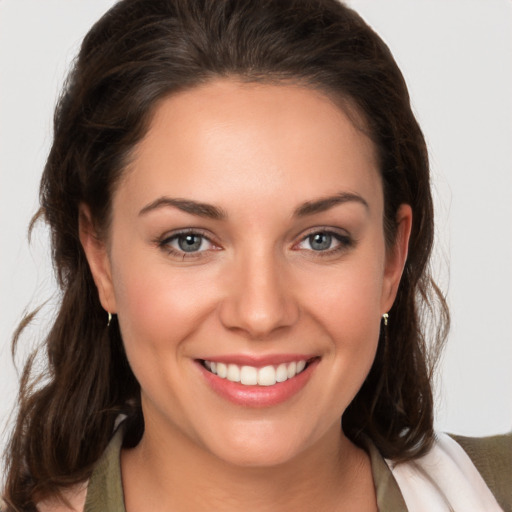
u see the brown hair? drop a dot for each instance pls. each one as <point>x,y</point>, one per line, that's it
<point>135,55</point>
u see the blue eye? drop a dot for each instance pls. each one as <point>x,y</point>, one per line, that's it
<point>320,241</point>
<point>325,242</point>
<point>190,242</point>
<point>183,244</point>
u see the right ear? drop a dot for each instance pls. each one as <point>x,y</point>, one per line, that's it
<point>97,256</point>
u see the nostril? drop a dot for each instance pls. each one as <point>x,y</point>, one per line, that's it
<point>258,317</point>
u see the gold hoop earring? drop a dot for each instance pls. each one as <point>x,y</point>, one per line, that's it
<point>109,318</point>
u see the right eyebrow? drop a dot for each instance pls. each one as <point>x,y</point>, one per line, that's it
<point>186,205</point>
<point>326,203</point>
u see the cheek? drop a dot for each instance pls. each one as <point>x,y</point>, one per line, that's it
<point>157,305</point>
<point>348,298</point>
<point>346,302</point>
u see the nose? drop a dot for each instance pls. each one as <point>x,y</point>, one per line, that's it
<point>260,298</point>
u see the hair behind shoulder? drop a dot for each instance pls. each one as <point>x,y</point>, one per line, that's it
<point>136,54</point>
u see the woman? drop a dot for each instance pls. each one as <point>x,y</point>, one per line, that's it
<point>239,199</point>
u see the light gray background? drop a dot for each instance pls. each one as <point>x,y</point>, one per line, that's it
<point>456,57</point>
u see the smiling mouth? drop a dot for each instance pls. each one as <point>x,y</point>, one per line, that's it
<point>252,376</point>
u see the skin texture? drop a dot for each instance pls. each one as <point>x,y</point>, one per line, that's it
<point>255,288</point>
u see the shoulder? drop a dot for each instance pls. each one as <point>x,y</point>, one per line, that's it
<point>492,456</point>
<point>103,491</point>
<point>73,500</point>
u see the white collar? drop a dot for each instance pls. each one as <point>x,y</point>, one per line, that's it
<point>443,480</point>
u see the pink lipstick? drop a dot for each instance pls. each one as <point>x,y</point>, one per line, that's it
<point>258,382</point>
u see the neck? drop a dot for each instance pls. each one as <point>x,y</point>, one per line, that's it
<point>167,471</point>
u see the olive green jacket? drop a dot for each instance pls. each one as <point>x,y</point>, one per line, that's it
<point>491,455</point>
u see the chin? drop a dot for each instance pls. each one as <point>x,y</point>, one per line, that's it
<point>251,446</point>
<point>258,455</point>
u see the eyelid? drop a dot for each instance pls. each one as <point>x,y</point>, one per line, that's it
<point>163,242</point>
<point>344,239</point>
<point>337,232</point>
<point>184,231</point>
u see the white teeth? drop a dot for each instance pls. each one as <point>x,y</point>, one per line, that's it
<point>233,373</point>
<point>248,375</point>
<point>222,370</point>
<point>251,376</point>
<point>292,370</point>
<point>267,376</point>
<point>281,373</point>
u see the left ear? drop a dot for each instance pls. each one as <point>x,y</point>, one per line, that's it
<point>97,257</point>
<point>396,257</point>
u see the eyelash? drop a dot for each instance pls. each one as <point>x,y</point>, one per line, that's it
<point>344,242</point>
<point>164,244</point>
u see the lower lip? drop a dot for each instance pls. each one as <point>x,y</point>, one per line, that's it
<point>258,396</point>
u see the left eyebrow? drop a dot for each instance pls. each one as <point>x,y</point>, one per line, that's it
<point>326,203</point>
<point>186,205</point>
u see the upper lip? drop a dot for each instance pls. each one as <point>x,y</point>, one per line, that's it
<point>259,361</point>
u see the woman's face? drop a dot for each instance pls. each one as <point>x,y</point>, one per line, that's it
<point>247,240</point>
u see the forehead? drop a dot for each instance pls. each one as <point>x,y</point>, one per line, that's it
<point>229,138</point>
